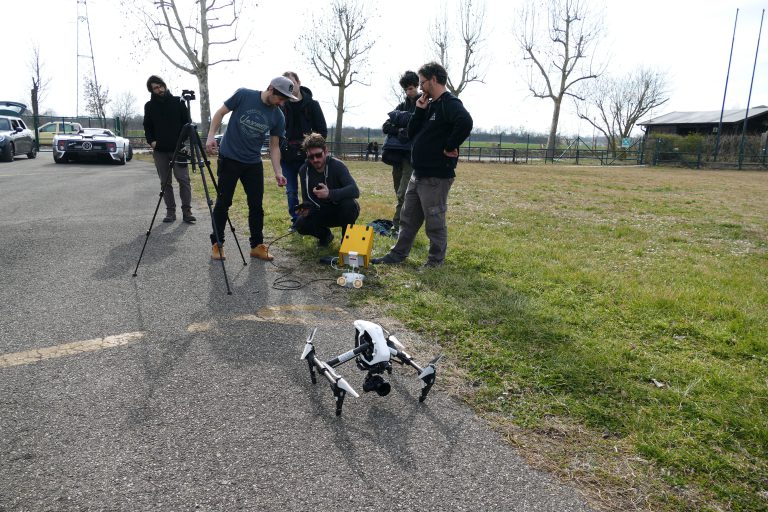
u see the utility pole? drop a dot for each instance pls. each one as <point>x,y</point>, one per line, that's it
<point>82,19</point>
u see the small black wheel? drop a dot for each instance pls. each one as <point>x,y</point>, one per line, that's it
<point>33,153</point>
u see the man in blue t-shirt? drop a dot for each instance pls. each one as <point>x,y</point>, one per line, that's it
<point>255,115</point>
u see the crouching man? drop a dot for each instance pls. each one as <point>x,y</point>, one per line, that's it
<point>328,193</point>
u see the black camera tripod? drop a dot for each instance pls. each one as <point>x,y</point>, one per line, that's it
<point>198,158</point>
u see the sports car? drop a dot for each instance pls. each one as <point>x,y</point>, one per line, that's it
<point>91,144</point>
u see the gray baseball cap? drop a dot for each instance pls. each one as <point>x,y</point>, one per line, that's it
<point>284,86</point>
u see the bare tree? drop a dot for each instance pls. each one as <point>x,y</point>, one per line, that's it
<point>614,105</point>
<point>96,99</point>
<point>337,48</point>
<point>39,83</point>
<point>185,38</point>
<point>557,43</point>
<point>470,27</point>
<point>124,108</point>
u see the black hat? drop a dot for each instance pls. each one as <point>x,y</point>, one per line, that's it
<point>154,79</point>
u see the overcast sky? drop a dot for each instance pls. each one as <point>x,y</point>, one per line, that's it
<point>688,39</point>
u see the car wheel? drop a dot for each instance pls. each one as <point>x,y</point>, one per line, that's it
<point>33,153</point>
<point>130,153</point>
<point>122,160</point>
<point>7,154</point>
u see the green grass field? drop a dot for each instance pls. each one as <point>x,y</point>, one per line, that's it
<point>610,323</point>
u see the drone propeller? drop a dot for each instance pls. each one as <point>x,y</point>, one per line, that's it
<point>430,368</point>
<point>309,346</point>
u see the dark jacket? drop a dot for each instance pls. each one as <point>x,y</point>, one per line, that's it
<point>301,118</point>
<point>340,182</point>
<point>164,117</point>
<point>396,129</point>
<point>444,125</point>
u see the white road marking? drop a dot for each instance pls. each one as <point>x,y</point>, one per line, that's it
<point>68,349</point>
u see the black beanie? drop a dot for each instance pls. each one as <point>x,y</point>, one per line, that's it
<point>154,79</point>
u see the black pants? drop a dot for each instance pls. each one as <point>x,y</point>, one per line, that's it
<point>252,178</point>
<point>317,222</point>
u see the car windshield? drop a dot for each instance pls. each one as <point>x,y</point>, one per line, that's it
<point>4,124</point>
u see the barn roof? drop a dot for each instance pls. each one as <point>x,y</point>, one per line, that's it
<point>705,117</point>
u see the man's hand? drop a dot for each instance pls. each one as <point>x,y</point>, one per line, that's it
<point>211,146</point>
<point>154,143</point>
<point>281,181</point>
<point>321,191</point>
<point>452,154</point>
<point>423,101</point>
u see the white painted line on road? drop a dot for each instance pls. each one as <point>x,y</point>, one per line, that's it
<point>68,349</point>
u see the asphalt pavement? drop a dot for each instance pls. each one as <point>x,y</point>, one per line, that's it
<point>161,392</point>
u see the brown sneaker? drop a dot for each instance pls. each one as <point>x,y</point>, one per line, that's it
<point>216,253</point>
<point>261,252</point>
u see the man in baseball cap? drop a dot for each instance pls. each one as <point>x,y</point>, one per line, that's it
<point>284,87</point>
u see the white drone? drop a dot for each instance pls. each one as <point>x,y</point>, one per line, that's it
<point>373,353</point>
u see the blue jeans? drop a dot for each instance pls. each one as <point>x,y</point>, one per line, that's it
<point>291,173</point>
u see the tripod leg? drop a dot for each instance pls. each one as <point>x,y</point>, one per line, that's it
<point>197,150</point>
<point>157,208</point>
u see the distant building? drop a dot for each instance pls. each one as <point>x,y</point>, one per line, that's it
<point>705,123</point>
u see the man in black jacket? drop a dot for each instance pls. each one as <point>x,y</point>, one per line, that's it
<point>438,127</point>
<point>301,118</point>
<point>328,192</point>
<point>164,117</point>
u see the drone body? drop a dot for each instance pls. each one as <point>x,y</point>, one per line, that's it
<point>373,353</point>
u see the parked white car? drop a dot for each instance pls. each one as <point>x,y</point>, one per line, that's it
<point>91,144</point>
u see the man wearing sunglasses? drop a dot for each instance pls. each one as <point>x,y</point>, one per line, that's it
<point>255,115</point>
<point>328,192</point>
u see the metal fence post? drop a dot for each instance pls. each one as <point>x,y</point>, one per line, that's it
<point>698,158</point>
<point>527,145</point>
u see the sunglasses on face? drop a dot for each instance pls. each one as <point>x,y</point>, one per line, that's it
<point>315,156</point>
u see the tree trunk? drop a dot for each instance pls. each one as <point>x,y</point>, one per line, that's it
<point>205,102</point>
<point>36,114</point>
<point>552,139</point>
<point>339,119</point>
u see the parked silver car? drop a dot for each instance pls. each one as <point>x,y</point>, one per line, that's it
<point>91,144</point>
<point>15,137</point>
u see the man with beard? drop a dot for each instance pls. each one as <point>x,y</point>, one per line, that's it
<point>328,191</point>
<point>439,125</point>
<point>164,117</point>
